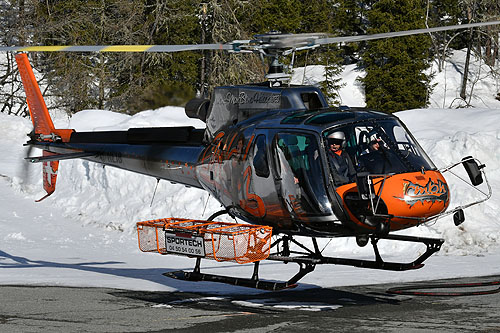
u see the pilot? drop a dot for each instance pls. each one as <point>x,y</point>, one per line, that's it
<point>341,165</point>
<point>376,143</point>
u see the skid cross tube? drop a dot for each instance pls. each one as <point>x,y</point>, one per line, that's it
<point>433,245</point>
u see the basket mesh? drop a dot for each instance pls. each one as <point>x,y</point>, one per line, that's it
<point>241,243</point>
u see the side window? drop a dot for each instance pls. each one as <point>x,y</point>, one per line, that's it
<point>311,101</point>
<point>260,162</point>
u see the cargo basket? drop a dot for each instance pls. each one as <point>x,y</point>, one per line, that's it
<point>221,241</point>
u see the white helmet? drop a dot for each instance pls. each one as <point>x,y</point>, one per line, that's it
<point>337,135</point>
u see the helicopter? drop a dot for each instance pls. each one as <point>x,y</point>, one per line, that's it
<point>264,155</point>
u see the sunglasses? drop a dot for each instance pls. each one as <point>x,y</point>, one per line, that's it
<point>335,141</point>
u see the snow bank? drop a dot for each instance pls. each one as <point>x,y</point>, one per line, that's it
<point>448,136</point>
<point>351,92</point>
<point>107,197</point>
<point>482,87</point>
<point>99,120</point>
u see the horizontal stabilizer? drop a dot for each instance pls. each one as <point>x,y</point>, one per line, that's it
<point>59,157</point>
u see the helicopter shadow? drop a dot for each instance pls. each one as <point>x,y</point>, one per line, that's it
<point>210,294</point>
<point>305,298</point>
<point>100,267</point>
<point>112,268</point>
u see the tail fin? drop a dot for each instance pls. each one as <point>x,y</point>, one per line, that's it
<point>43,126</point>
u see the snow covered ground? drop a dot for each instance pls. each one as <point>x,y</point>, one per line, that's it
<point>84,234</point>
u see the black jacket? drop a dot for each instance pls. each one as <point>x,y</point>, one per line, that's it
<point>343,171</point>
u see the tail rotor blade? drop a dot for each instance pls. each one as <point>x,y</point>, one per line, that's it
<point>25,168</point>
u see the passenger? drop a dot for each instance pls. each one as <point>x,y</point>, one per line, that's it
<point>341,165</point>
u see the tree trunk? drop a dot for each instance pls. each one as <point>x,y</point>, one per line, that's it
<point>203,64</point>
<point>467,58</point>
<point>495,49</point>
<point>22,37</point>
<point>490,61</point>
<point>466,67</point>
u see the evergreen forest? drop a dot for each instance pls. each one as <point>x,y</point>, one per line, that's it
<point>397,76</point>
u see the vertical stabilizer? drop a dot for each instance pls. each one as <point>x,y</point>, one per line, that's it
<point>43,126</point>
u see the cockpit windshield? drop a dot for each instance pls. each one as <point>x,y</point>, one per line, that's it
<point>380,147</point>
<point>376,147</point>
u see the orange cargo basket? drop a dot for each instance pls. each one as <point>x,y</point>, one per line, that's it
<point>222,241</point>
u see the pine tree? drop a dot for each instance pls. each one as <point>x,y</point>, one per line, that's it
<point>275,15</point>
<point>88,80</point>
<point>14,29</point>
<point>293,16</point>
<point>395,68</point>
<point>166,78</point>
<point>319,16</point>
<point>227,20</point>
<point>349,19</point>
<point>442,13</point>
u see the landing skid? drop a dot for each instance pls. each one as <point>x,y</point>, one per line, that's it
<point>253,282</point>
<point>307,259</point>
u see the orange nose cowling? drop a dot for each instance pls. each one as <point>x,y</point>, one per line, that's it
<point>409,197</point>
<point>414,195</point>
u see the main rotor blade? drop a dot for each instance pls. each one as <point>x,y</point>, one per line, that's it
<point>117,48</point>
<point>261,42</point>
<point>359,38</point>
